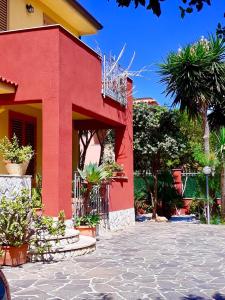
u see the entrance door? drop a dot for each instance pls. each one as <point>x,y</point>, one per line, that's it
<point>24,127</point>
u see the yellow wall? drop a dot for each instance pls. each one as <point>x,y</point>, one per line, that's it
<point>18,17</point>
<point>4,129</point>
<point>57,11</point>
<point>37,113</point>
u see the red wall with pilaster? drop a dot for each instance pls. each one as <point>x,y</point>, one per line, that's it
<point>58,70</point>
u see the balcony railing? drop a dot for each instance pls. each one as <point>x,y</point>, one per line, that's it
<point>114,80</point>
<point>90,199</point>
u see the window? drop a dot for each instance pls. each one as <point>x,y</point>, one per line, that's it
<point>24,127</point>
<point>3,15</point>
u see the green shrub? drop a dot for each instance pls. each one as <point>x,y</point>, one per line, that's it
<point>93,173</point>
<point>89,220</point>
<point>11,151</point>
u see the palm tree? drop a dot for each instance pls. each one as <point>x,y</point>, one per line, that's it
<point>193,76</point>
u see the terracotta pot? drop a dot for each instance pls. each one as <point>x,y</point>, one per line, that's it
<point>14,256</point>
<point>87,230</point>
<point>16,169</point>
<point>118,174</point>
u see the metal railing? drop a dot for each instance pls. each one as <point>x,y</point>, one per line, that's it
<point>90,199</point>
<point>114,80</point>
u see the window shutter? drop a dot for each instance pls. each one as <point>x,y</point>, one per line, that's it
<point>3,15</point>
<point>17,129</point>
<point>24,128</point>
<point>30,140</point>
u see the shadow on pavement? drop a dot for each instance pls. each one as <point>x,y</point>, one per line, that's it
<point>216,296</point>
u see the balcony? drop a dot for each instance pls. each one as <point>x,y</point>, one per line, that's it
<point>114,80</point>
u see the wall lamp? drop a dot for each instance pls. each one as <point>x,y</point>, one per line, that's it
<point>30,8</point>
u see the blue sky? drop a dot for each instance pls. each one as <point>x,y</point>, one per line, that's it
<point>151,38</point>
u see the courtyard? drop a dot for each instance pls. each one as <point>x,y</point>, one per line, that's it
<point>149,261</point>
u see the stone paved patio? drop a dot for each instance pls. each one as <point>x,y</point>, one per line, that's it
<point>149,261</point>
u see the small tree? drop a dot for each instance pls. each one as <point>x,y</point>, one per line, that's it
<point>157,142</point>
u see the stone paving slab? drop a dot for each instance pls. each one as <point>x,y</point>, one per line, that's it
<point>155,261</point>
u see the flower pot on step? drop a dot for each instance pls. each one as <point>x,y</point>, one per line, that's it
<point>13,256</point>
<point>16,169</point>
<point>87,230</point>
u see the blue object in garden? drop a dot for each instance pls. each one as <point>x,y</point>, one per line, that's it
<point>183,218</point>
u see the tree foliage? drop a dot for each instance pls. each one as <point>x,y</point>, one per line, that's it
<point>156,136</point>
<point>195,75</point>
<point>157,143</point>
<point>155,5</point>
<point>195,78</point>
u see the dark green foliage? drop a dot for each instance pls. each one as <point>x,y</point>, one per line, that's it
<point>167,194</point>
<point>195,75</point>
<point>155,5</point>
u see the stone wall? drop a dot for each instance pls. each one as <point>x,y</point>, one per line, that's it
<point>117,220</point>
<point>11,185</point>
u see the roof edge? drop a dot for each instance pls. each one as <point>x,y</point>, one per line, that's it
<point>85,13</point>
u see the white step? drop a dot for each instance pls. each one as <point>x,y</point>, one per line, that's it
<point>85,245</point>
<point>71,236</point>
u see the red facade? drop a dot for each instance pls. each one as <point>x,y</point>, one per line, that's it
<point>57,70</point>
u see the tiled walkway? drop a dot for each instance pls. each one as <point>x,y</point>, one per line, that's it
<point>149,261</point>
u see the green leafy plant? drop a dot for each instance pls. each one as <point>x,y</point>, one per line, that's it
<point>37,193</point>
<point>16,217</point>
<point>93,173</point>
<point>20,225</point>
<point>45,227</point>
<point>111,167</point>
<point>88,220</point>
<point>11,151</point>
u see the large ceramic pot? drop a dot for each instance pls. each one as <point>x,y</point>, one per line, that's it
<point>87,230</point>
<point>13,256</point>
<point>16,169</point>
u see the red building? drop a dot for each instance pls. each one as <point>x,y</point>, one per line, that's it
<point>51,85</point>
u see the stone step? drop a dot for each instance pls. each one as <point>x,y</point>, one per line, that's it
<point>85,245</point>
<point>71,236</point>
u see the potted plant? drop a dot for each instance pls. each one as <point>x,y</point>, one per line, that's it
<point>87,224</point>
<point>16,218</point>
<point>94,174</point>
<point>21,227</point>
<point>16,157</point>
<point>115,169</point>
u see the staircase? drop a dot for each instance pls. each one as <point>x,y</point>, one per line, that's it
<point>65,247</point>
